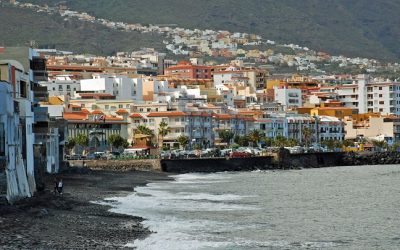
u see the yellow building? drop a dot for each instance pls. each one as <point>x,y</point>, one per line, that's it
<point>339,112</point>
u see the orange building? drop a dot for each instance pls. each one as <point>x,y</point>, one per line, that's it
<point>187,70</point>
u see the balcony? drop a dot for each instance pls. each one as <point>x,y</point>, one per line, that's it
<point>40,114</point>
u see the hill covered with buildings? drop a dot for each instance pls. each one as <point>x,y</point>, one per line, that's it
<point>363,28</point>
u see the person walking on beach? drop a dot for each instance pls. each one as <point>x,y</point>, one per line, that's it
<point>55,185</point>
<point>60,186</point>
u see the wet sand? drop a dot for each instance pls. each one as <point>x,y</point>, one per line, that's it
<point>49,221</point>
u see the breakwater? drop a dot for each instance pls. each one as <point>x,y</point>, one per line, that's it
<point>209,165</point>
<point>279,160</point>
<point>368,158</point>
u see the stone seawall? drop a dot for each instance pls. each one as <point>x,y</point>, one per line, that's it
<point>310,160</point>
<point>281,160</point>
<point>209,165</point>
<point>120,165</point>
<point>377,158</point>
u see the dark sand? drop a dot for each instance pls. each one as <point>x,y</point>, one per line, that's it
<point>49,221</point>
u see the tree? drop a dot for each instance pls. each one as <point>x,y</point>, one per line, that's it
<point>226,135</point>
<point>142,129</point>
<point>163,130</point>
<point>395,147</point>
<point>117,141</point>
<point>280,141</point>
<point>330,144</point>
<point>348,143</point>
<point>292,142</point>
<point>379,144</point>
<point>183,141</point>
<point>70,144</point>
<point>307,135</point>
<point>82,140</point>
<point>268,141</point>
<point>242,141</point>
<point>255,136</point>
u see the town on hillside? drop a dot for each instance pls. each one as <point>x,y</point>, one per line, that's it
<point>59,105</point>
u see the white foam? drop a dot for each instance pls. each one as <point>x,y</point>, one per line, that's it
<point>157,203</point>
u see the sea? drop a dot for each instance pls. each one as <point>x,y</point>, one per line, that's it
<point>356,207</point>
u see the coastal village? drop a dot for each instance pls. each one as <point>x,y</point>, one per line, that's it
<point>68,105</point>
<point>116,133</point>
<point>208,91</point>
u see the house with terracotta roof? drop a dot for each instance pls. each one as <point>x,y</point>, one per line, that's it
<point>97,126</point>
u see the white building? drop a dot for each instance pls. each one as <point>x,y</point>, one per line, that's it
<point>62,85</point>
<point>289,98</point>
<point>122,87</point>
<point>16,151</point>
<point>369,95</point>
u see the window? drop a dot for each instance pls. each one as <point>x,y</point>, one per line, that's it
<point>107,106</point>
<point>380,88</point>
<point>128,106</point>
<point>60,87</point>
<point>120,106</point>
<point>381,102</point>
<point>68,87</point>
<point>2,140</point>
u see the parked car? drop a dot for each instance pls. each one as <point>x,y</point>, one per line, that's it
<point>238,154</point>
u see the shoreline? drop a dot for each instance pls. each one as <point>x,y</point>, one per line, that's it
<point>73,220</point>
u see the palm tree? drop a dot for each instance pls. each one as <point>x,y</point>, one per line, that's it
<point>280,141</point>
<point>183,141</point>
<point>379,144</point>
<point>163,130</point>
<point>142,129</point>
<point>307,135</point>
<point>255,136</point>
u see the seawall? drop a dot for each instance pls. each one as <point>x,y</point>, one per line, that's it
<point>280,160</point>
<point>119,165</point>
<point>209,165</point>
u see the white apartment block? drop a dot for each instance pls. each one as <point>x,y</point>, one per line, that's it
<point>62,85</point>
<point>122,87</point>
<point>369,95</point>
<point>289,98</point>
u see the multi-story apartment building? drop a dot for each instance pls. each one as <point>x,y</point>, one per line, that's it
<point>97,126</point>
<point>62,85</point>
<point>369,95</point>
<point>253,78</point>
<point>303,128</point>
<point>16,129</point>
<point>187,70</point>
<point>288,98</point>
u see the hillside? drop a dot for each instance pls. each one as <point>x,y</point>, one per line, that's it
<point>355,28</point>
<point>20,26</point>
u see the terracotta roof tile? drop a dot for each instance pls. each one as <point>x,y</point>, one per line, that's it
<point>75,116</point>
<point>136,115</point>
<point>166,114</point>
<point>122,111</point>
<point>97,112</point>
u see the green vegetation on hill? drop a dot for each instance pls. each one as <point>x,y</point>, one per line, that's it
<point>20,26</point>
<point>366,28</point>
